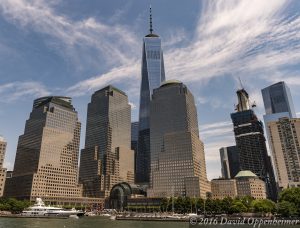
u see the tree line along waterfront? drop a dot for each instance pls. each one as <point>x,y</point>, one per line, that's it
<point>17,206</point>
<point>288,205</point>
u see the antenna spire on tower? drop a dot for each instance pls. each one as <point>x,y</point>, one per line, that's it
<point>242,87</point>
<point>151,29</point>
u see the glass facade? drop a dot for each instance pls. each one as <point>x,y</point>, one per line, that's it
<point>253,155</point>
<point>251,144</point>
<point>153,74</point>
<point>277,99</point>
<point>229,161</point>
<point>107,158</point>
<point>177,154</point>
<point>46,163</point>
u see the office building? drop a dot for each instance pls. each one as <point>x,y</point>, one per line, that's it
<point>134,135</point>
<point>177,154</point>
<point>229,161</point>
<point>107,158</point>
<point>284,137</point>
<point>249,184</point>
<point>2,170</point>
<point>134,140</point>
<point>278,104</point>
<point>250,141</point>
<point>46,163</point>
<point>222,188</point>
<point>153,74</point>
<point>277,99</point>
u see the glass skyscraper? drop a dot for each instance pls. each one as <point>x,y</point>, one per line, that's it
<point>177,153</point>
<point>277,99</point>
<point>278,104</point>
<point>250,142</point>
<point>153,73</point>
<point>46,163</point>
<point>229,161</point>
<point>107,158</point>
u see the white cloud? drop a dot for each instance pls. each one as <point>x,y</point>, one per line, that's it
<point>113,76</point>
<point>215,136</point>
<point>208,131</point>
<point>21,90</point>
<point>210,126</point>
<point>212,155</point>
<point>246,38</point>
<point>174,37</point>
<point>254,39</point>
<point>116,44</point>
<point>8,165</point>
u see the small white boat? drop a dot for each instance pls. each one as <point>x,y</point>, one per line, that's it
<point>90,213</point>
<point>41,211</point>
<point>105,215</point>
<point>113,217</point>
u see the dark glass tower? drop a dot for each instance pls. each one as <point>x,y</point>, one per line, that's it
<point>277,99</point>
<point>229,161</point>
<point>251,143</point>
<point>153,73</point>
<point>134,140</point>
<point>107,158</point>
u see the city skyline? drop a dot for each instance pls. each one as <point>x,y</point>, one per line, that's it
<point>190,56</point>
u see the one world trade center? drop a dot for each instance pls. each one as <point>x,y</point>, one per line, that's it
<point>153,73</point>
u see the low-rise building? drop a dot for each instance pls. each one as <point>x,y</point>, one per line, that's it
<point>245,183</point>
<point>222,188</point>
<point>248,184</point>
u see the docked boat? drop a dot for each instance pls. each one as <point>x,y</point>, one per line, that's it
<point>40,210</point>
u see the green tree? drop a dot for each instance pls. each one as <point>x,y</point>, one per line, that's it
<point>187,204</point>
<point>164,204</point>
<point>291,195</point>
<point>238,207</point>
<point>226,204</point>
<point>263,205</point>
<point>200,205</point>
<point>194,205</point>
<point>209,206</point>
<point>286,209</point>
<point>179,205</point>
<point>17,206</point>
<point>247,201</point>
<point>217,206</point>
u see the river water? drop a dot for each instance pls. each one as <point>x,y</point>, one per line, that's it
<point>100,222</point>
<point>85,222</point>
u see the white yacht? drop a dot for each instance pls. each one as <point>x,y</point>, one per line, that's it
<point>40,210</point>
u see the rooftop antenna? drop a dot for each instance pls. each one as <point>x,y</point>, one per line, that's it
<point>151,29</point>
<point>241,84</point>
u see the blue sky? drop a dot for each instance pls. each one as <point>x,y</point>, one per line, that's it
<point>74,47</point>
